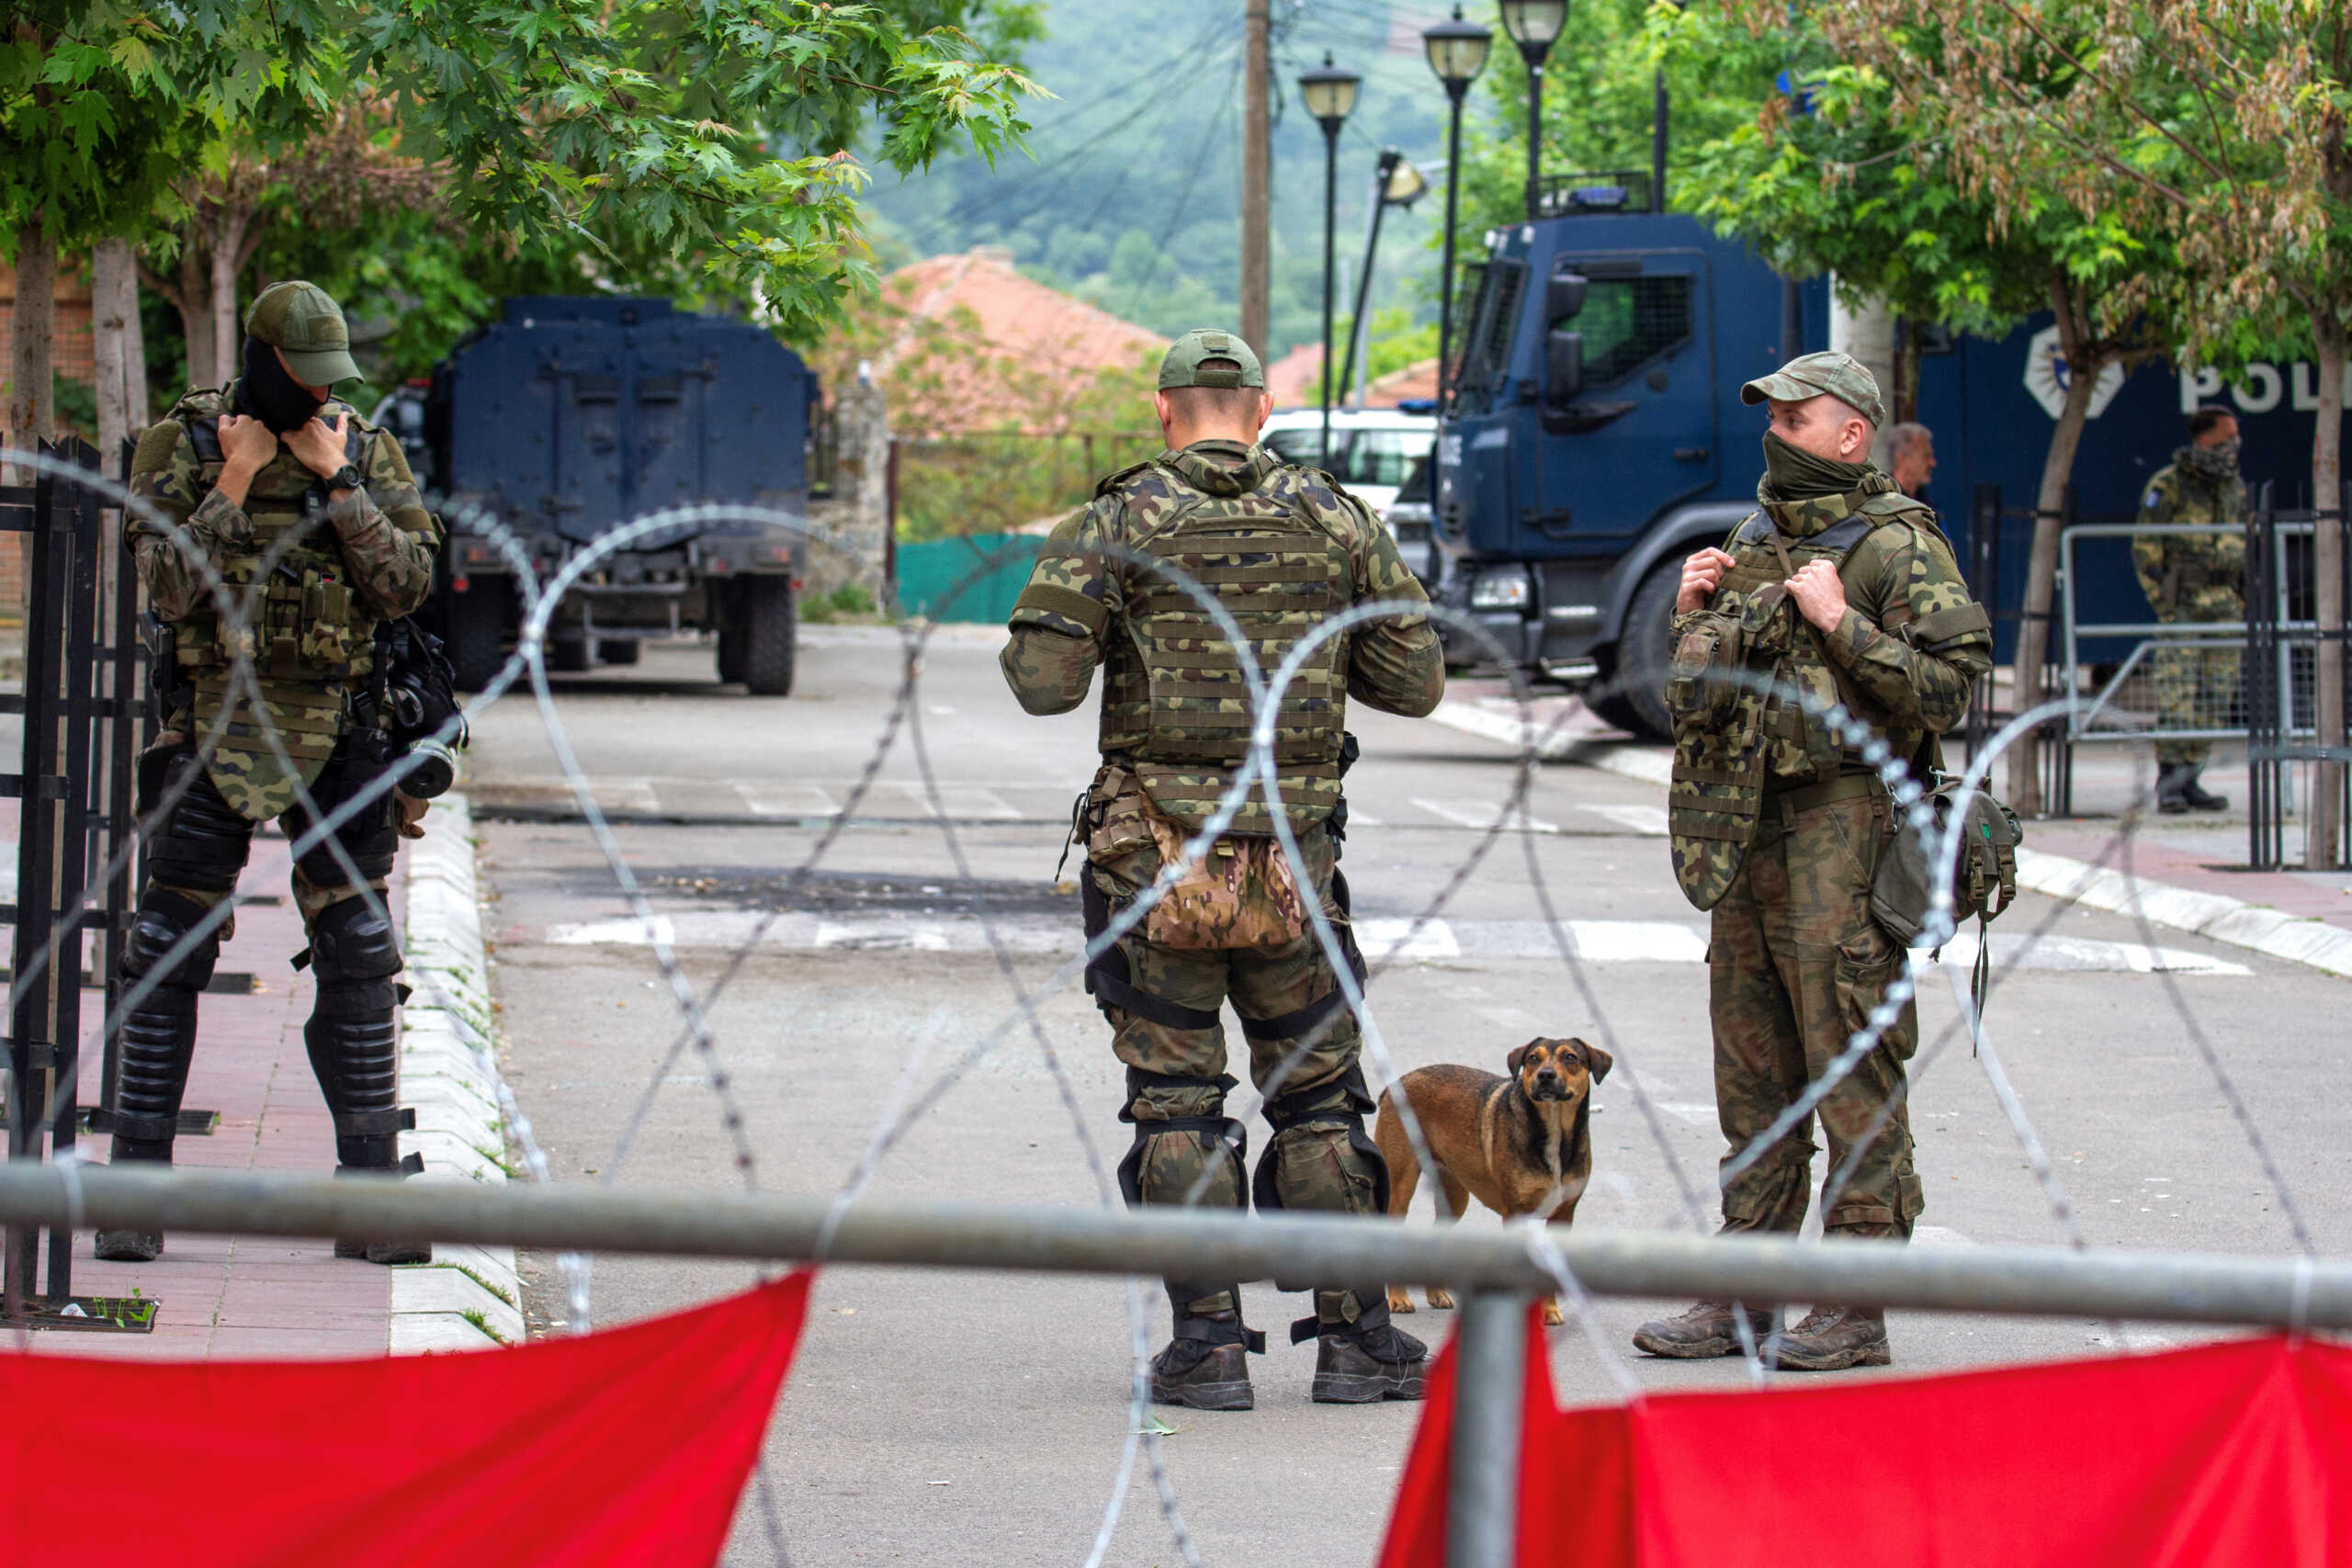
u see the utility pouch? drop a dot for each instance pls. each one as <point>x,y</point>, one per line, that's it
<point>326,630</point>
<point>1983,877</point>
<point>1699,683</point>
<point>1119,844</point>
<point>1242,893</point>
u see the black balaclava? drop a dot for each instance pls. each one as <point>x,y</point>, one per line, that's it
<point>267,393</point>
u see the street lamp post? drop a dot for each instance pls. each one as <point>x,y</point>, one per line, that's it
<point>1396,184</point>
<point>1534,25</point>
<point>1457,53</point>
<point>1329,93</point>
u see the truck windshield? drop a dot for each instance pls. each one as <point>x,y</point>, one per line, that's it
<point>1358,457</point>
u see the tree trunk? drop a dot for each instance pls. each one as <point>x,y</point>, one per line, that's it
<point>32,409</point>
<point>194,302</point>
<point>2041,570</point>
<point>228,247</point>
<point>134,346</point>
<point>2322,841</point>
<point>109,269</point>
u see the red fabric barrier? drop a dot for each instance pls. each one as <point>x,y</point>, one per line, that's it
<point>628,1446</point>
<point>2235,1455</point>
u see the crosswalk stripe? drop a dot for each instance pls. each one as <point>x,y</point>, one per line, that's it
<point>786,799</point>
<point>1483,816</point>
<point>1648,820</point>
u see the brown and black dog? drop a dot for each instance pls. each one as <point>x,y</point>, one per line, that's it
<point>1521,1144</point>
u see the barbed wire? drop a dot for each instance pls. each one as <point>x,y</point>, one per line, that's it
<point>236,604</point>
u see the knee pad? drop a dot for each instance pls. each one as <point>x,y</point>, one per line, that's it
<point>1334,1112</point>
<point>203,841</point>
<point>164,919</point>
<point>352,941</point>
<point>1168,1158</point>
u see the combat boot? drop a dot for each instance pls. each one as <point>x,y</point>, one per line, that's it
<point>134,1246</point>
<point>2173,783</point>
<point>1207,1365</point>
<point>2197,796</point>
<point>1707,1329</point>
<point>1364,1360</point>
<point>1830,1339</point>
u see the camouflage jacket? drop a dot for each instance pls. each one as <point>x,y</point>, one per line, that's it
<point>1283,548</point>
<point>1902,659</point>
<point>2193,577</point>
<point>309,582</point>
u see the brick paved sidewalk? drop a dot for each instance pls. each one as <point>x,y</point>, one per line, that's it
<point>272,1297</point>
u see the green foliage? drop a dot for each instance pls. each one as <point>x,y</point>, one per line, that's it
<point>850,602</point>
<point>77,405</point>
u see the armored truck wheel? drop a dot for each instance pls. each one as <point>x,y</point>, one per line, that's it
<point>771,628</point>
<point>475,640</point>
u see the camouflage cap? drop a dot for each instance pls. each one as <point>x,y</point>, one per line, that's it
<point>1190,361</point>
<point>301,322</point>
<point>1828,373</point>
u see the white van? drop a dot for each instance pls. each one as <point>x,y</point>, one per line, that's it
<point>1371,449</point>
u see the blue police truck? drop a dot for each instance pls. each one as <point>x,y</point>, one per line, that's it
<point>1596,437</point>
<point>572,417</point>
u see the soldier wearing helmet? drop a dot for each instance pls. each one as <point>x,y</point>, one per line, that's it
<point>1280,550</point>
<point>1841,588</point>
<point>307,520</point>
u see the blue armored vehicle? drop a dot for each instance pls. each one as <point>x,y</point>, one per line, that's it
<point>574,417</point>
<point>1595,437</point>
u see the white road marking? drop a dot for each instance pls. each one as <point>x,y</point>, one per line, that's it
<point>627,795</point>
<point>1483,816</point>
<point>1647,820</point>
<point>786,799</point>
<point>1638,942</point>
<point>1595,941</point>
<point>959,801</point>
<point>1938,1236</point>
<point>1382,939</point>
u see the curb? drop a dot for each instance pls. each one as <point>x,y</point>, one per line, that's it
<point>468,1298</point>
<point>2292,938</point>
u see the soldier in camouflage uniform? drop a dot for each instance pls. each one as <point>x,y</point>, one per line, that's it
<point>1843,588</point>
<point>313,523</point>
<point>1283,548</point>
<point>2194,577</point>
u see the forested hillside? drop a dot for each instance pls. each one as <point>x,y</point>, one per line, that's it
<point>1132,198</point>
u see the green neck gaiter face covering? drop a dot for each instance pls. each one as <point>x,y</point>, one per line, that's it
<point>1792,473</point>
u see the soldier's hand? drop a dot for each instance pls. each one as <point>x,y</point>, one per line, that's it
<point>1820,594</point>
<point>1700,575</point>
<point>318,445</point>
<point>409,812</point>
<point>246,444</point>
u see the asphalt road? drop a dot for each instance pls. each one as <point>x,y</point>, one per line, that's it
<point>937,1417</point>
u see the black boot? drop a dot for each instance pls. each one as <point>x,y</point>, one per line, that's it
<point>2173,783</point>
<point>1207,1365</point>
<point>157,1042</point>
<point>1362,1359</point>
<point>353,1037</point>
<point>2196,795</point>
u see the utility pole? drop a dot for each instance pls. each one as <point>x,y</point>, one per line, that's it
<point>1257,165</point>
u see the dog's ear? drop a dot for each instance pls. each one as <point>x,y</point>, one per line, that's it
<point>1519,1055</point>
<point>1597,1061</point>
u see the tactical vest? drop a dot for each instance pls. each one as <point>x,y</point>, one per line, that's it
<point>1176,704</point>
<point>307,631</point>
<point>1735,742</point>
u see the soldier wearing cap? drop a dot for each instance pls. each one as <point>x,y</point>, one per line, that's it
<point>272,494</point>
<point>1843,589</point>
<point>1281,549</point>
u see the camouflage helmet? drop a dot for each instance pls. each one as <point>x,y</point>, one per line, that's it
<point>1827,374</point>
<point>304,324</point>
<point>1197,359</point>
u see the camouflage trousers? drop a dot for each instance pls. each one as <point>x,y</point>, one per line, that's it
<point>2196,689</point>
<point>1795,963</point>
<point>1304,1045</point>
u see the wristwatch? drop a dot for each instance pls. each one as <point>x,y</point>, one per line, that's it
<point>345,477</point>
